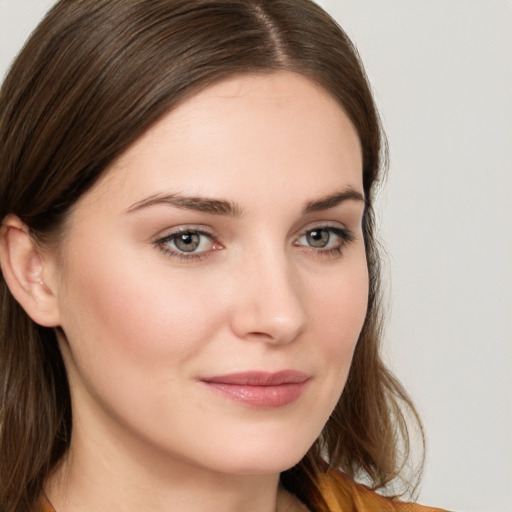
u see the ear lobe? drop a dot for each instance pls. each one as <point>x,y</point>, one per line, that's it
<point>24,266</point>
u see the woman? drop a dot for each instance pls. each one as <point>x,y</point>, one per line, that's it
<point>190,277</point>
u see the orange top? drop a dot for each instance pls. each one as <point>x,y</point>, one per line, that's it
<point>342,495</point>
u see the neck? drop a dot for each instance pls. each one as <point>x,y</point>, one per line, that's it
<point>110,477</point>
<point>75,488</point>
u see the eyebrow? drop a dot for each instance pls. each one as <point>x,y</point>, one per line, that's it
<point>332,200</point>
<point>232,209</point>
<point>197,203</point>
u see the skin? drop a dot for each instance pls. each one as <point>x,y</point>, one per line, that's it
<point>144,323</point>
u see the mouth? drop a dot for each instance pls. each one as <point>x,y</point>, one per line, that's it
<point>264,390</point>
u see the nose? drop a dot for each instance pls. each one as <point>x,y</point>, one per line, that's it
<point>270,303</point>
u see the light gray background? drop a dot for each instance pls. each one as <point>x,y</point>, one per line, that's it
<point>442,75</point>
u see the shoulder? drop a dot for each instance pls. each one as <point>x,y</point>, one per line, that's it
<point>341,493</point>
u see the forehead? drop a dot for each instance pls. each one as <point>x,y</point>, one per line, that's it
<point>250,102</point>
<point>249,132</point>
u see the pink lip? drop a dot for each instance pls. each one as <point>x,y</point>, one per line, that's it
<point>261,389</point>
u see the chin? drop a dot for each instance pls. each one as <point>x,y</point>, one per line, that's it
<point>272,456</point>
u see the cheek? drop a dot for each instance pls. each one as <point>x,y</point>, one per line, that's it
<point>340,313</point>
<point>132,320</point>
<point>343,304</point>
<point>133,338</point>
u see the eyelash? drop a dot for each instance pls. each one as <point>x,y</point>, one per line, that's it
<point>345,237</point>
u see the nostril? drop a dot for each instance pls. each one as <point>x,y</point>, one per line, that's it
<point>258,334</point>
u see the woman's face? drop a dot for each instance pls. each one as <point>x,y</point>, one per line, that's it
<point>213,284</point>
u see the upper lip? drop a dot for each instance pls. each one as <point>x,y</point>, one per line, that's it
<point>260,378</point>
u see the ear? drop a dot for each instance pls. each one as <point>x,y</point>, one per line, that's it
<point>28,272</point>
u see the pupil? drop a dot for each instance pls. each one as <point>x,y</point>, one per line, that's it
<point>187,242</point>
<point>318,238</point>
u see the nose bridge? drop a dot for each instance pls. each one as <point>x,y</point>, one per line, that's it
<point>271,304</point>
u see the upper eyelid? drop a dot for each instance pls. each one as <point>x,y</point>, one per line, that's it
<point>322,225</point>
<point>173,231</point>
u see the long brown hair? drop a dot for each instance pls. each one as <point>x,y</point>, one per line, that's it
<point>93,77</point>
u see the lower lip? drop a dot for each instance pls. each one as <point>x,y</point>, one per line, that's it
<point>263,397</point>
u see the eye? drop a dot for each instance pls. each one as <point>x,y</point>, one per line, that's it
<point>186,243</point>
<point>318,238</point>
<point>325,239</point>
